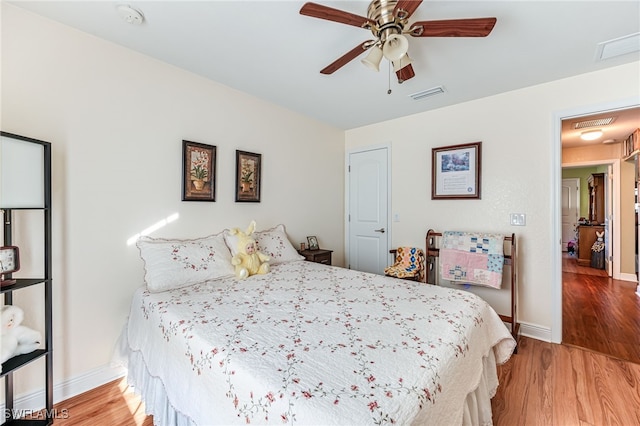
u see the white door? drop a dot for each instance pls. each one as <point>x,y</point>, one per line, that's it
<point>570,210</point>
<point>368,185</point>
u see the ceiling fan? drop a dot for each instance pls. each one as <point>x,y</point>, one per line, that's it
<point>388,22</point>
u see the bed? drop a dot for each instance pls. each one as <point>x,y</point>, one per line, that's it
<point>314,344</point>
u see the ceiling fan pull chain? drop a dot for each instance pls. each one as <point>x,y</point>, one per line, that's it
<point>389,83</point>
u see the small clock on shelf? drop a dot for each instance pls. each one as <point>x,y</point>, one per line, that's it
<point>9,263</point>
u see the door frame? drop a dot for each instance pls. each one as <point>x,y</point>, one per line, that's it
<point>609,210</point>
<point>347,197</point>
<point>555,193</point>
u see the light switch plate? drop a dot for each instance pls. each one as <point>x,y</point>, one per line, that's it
<point>518,219</point>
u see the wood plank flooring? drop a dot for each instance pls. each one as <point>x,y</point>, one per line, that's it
<point>549,384</point>
<point>112,404</point>
<point>599,313</point>
<point>570,264</point>
<point>544,384</point>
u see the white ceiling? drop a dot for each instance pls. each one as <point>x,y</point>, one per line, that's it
<point>267,49</point>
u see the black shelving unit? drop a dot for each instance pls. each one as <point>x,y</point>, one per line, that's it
<point>11,214</point>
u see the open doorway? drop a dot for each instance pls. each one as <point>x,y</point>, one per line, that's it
<point>587,212</point>
<point>598,304</point>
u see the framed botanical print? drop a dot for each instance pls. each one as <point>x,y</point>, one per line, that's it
<point>248,169</point>
<point>198,171</point>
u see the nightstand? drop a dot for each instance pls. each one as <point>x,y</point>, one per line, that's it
<point>318,256</point>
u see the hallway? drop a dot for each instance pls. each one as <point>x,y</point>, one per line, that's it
<point>599,313</point>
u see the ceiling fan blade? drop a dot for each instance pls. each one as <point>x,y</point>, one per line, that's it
<point>330,14</point>
<point>346,58</point>
<point>473,27</point>
<point>405,73</point>
<point>405,8</point>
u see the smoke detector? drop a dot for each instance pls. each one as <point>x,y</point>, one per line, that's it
<point>130,15</point>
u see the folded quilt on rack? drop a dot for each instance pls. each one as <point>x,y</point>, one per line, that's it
<point>472,258</point>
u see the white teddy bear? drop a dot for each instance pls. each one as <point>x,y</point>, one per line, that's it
<point>16,339</point>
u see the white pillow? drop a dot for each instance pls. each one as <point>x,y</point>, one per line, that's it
<point>171,264</point>
<point>272,242</point>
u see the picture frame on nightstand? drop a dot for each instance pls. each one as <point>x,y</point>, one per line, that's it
<point>313,243</point>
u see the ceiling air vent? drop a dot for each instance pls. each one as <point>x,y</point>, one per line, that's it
<point>618,47</point>
<point>594,123</point>
<point>427,93</point>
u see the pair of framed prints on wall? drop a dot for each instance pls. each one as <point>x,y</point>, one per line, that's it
<point>199,173</point>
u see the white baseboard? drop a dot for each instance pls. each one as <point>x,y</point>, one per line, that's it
<point>68,388</point>
<point>628,277</point>
<point>535,332</point>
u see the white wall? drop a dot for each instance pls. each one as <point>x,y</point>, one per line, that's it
<point>116,120</point>
<point>518,148</point>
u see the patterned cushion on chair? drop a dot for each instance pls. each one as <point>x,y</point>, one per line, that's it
<point>409,264</point>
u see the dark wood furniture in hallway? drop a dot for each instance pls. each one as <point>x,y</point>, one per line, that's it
<point>587,236</point>
<point>598,312</point>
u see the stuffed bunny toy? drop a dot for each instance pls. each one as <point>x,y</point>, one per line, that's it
<point>248,260</point>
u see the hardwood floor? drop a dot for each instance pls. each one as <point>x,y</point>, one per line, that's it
<point>560,385</point>
<point>570,264</point>
<point>599,313</point>
<point>111,404</point>
<point>544,384</point>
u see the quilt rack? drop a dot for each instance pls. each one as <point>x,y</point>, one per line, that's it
<point>510,258</point>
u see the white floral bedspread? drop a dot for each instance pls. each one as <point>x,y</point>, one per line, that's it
<point>314,344</point>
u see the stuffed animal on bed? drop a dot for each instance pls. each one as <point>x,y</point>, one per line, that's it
<point>16,339</point>
<point>248,260</point>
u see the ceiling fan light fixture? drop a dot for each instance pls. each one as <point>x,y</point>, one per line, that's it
<point>590,135</point>
<point>388,21</point>
<point>372,60</point>
<point>401,63</point>
<point>395,47</point>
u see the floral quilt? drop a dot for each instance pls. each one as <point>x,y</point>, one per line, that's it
<point>315,344</point>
